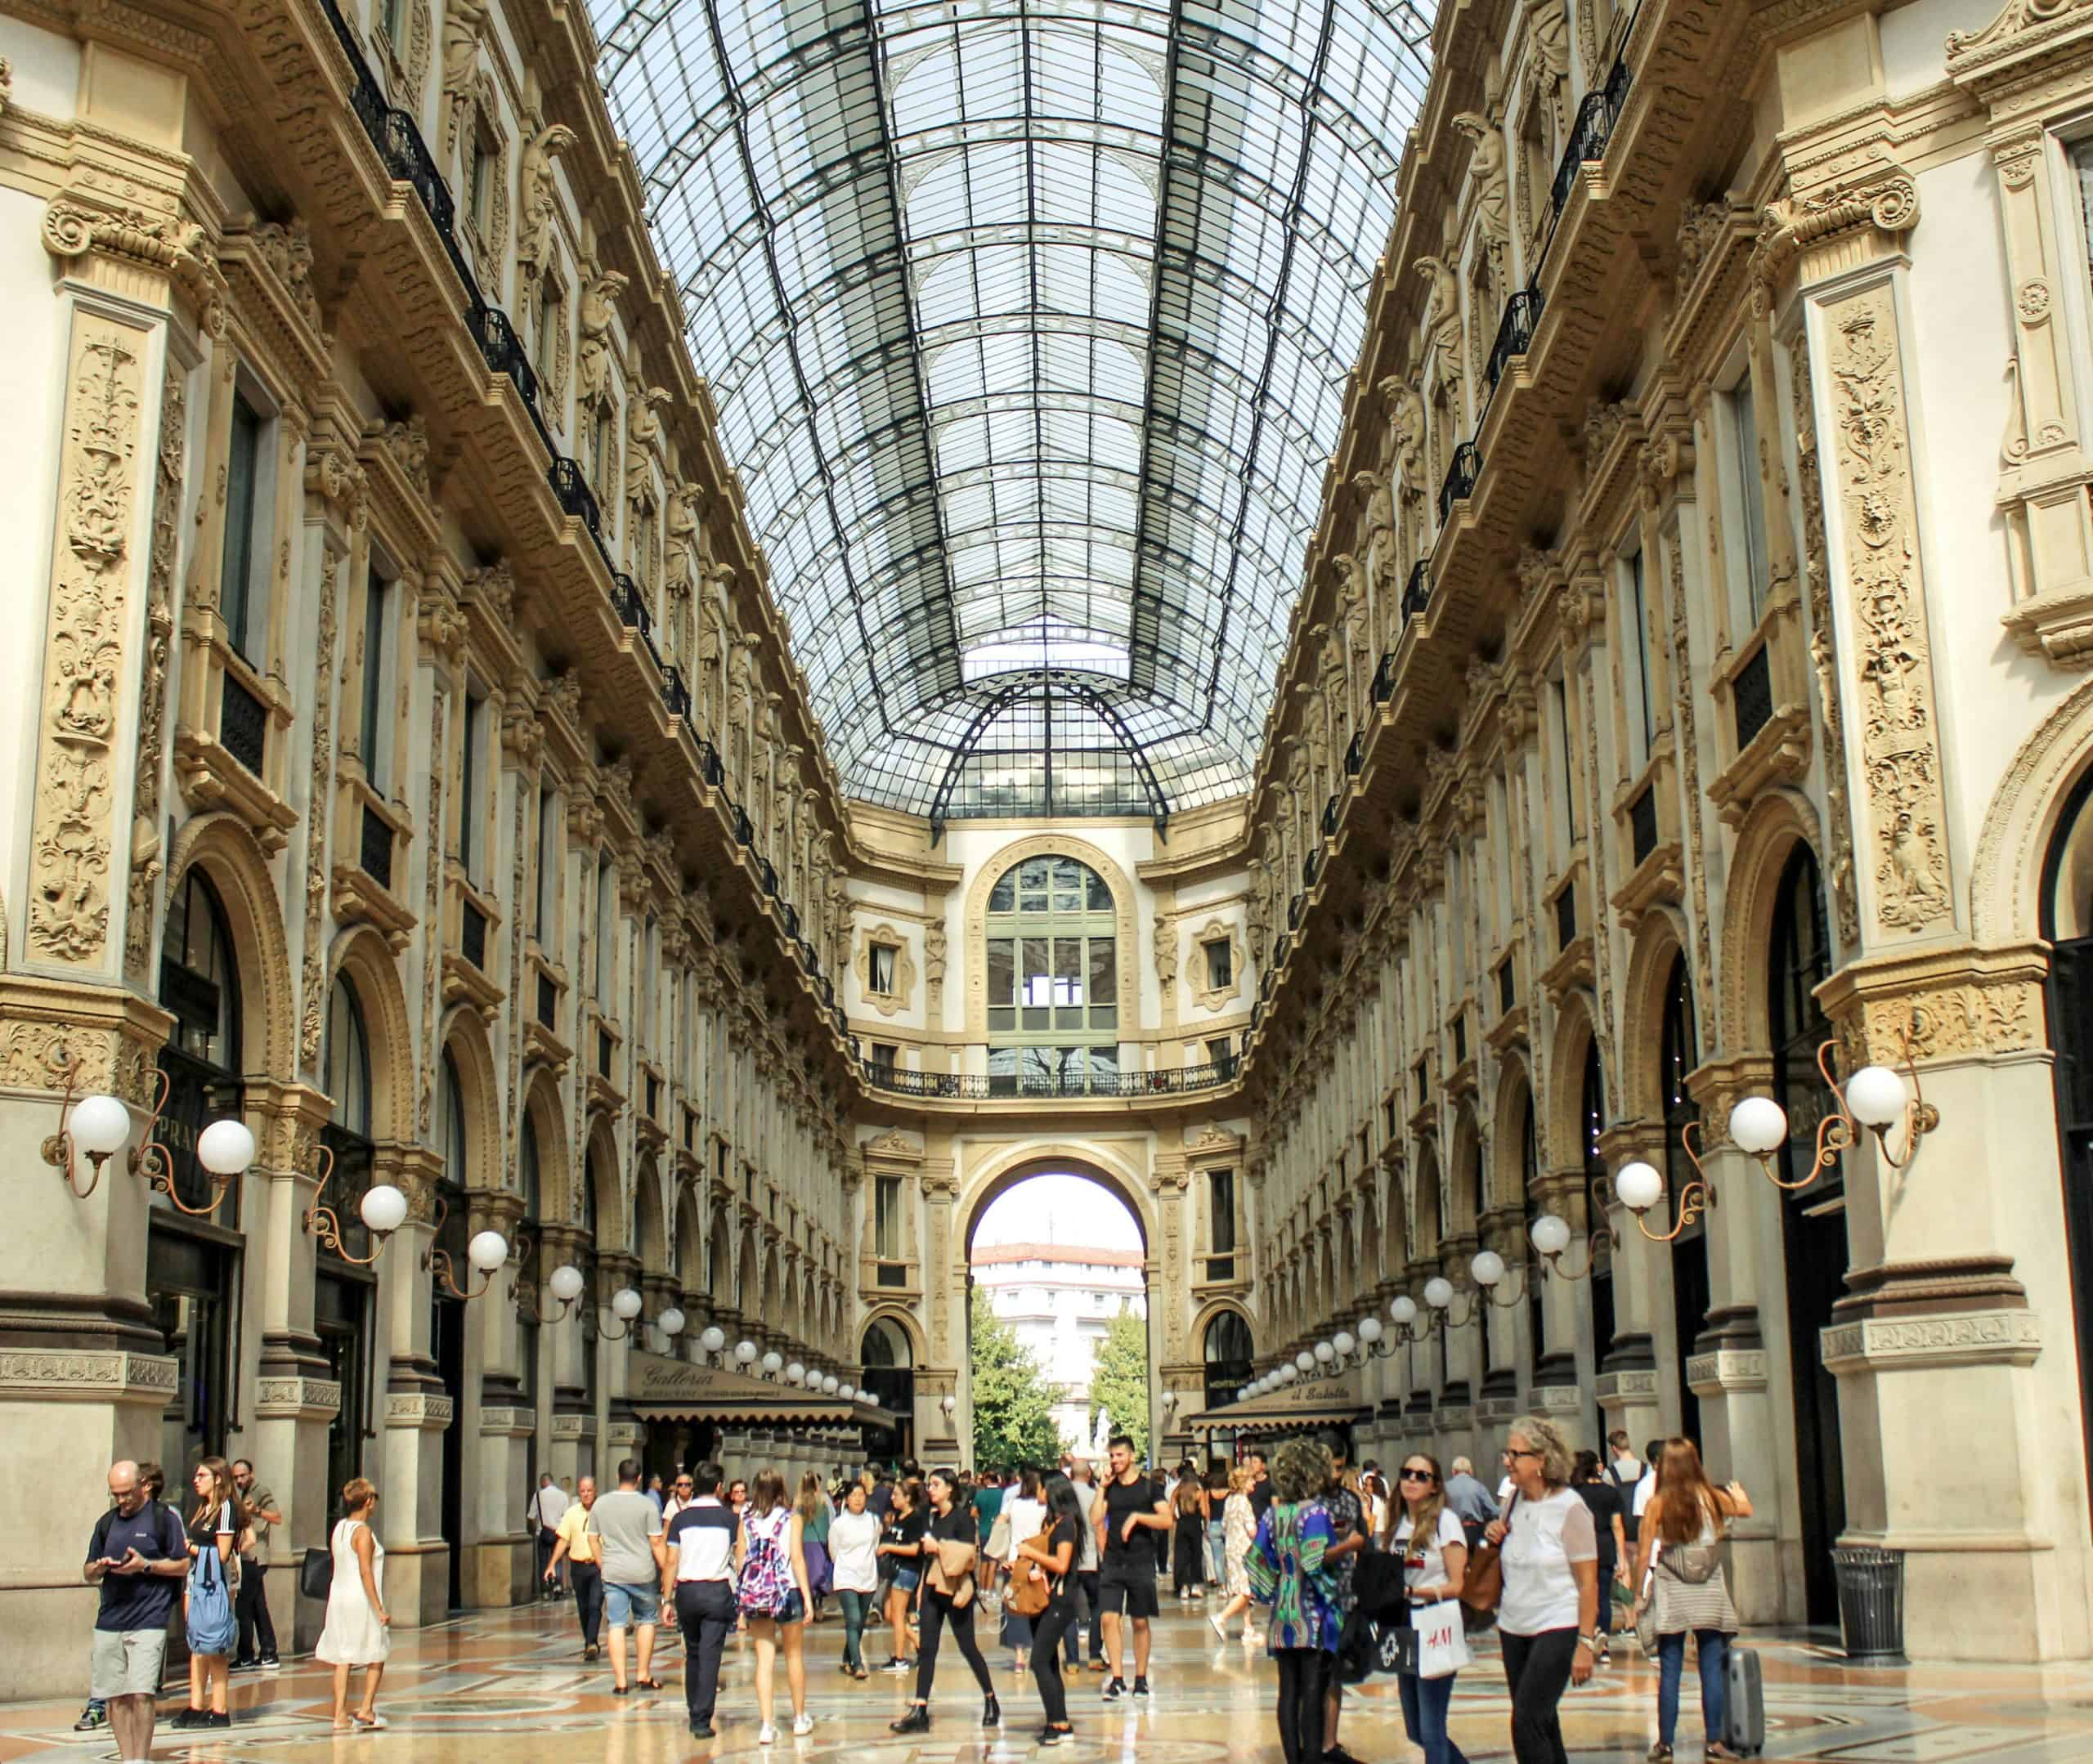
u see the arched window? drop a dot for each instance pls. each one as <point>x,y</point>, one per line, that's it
<point>1229,1353</point>
<point>199,981</point>
<point>345,1060</point>
<point>1052,963</point>
<point>887,1374</point>
<point>1678,1053</point>
<point>344,1296</point>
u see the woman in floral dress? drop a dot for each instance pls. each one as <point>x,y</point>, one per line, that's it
<point>1286,1573</point>
<point>1238,1531</point>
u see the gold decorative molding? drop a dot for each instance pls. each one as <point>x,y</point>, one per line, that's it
<point>887,1004</point>
<point>1959,1004</point>
<point>1217,998</point>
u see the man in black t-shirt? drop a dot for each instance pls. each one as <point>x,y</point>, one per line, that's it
<point>138,1556</point>
<point>1129,1504</point>
<point>1261,1483</point>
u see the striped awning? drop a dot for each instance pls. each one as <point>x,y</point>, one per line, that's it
<point>661,1388</point>
<point>1333,1401</point>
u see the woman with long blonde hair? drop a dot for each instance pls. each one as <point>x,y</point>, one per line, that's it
<point>215,1525</point>
<point>1238,1531</point>
<point>1682,1527</point>
<point>771,1578</point>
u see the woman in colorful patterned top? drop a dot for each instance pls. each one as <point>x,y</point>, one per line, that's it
<point>1286,1573</point>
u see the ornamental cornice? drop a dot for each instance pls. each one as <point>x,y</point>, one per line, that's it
<point>1817,231</point>
<point>62,1375</point>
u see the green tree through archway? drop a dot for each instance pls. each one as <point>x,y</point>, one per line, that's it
<point>1119,1384</point>
<point>1013,1398</point>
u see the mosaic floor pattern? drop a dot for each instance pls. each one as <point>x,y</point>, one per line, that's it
<point>510,1686</point>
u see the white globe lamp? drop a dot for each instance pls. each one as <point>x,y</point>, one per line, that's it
<point>625,1304</point>
<point>1290,1373</point>
<point>1488,1268</point>
<point>99,1125</point>
<point>714,1339</point>
<point>1551,1234</point>
<point>830,1384</point>
<point>567,1283</point>
<point>671,1322</point>
<point>1326,1352</point>
<point>1369,1330</point>
<point>1403,1308</point>
<point>1638,1185</point>
<point>487,1250</point>
<point>774,1362</point>
<point>1439,1292</point>
<point>1877,1096</point>
<point>1759,1126</point>
<point>796,1373</point>
<point>383,1209</point>
<point>224,1147</point>
<point>1344,1341</point>
<point>1304,1361</point>
<point>745,1352</point>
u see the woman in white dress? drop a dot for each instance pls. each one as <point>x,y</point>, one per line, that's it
<point>355,1632</point>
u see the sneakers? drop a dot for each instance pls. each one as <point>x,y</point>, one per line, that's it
<point>93,1718</point>
<point>1659,1754</point>
<point>1051,1736</point>
<point>1215,1623</point>
<point>766,1735</point>
<point>207,1719</point>
<point>1115,1688</point>
<point>1141,1689</point>
<point>241,1665</point>
<point>802,1725</point>
<point>269,1663</point>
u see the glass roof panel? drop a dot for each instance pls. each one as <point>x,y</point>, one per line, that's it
<point>1028,328</point>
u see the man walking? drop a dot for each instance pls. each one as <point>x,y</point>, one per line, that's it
<point>548,1505</point>
<point>1131,1503</point>
<point>138,1555</point>
<point>1472,1504</point>
<point>628,1529</point>
<point>697,1590</point>
<point>1261,1483</point>
<point>251,1603</point>
<point>1086,1574</point>
<point>576,1546</point>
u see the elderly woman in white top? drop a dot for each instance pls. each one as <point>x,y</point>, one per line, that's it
<point>1548,1620</point>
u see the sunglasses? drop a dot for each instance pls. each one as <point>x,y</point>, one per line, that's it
<point>1418,1475</point>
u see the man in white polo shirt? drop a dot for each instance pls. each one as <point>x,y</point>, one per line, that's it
<point>697,1590</point>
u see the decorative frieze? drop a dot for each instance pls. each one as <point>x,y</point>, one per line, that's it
<point>60,1375</point>
<point>297,1400</point>
<point>1918,1344</point>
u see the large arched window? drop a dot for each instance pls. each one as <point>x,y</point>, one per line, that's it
<point>1052,963</point>
<point>1229,1354</point>
<point>887,1374</point>
<point>1678,1053</point>
<point>192,1269</point>
<point>343,1290</point>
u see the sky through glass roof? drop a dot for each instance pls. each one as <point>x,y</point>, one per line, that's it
<point>1029,326</point>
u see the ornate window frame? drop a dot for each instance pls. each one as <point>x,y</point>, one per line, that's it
<point>488,240</point>
<point>887,1004</point>
<point>1218,998</point>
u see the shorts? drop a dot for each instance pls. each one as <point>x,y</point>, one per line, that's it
<point>626,1606</point>
<point>907,1579</point>
<point>126,1662</point>
<point>1134,1594</point>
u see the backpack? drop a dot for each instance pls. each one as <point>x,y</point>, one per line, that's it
<point>210,1604</point>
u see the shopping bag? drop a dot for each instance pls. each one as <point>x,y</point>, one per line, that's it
<point>1442,1645</point>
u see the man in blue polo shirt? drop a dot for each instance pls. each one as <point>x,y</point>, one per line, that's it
<point>137,1555</point>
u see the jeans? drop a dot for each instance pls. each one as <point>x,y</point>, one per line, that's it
<point>1216,1553</point>
<point>1425,1701</point>
<point>1714,1652</point>
<point>548,1540</point>
<point>1049,1628</point>
<point>1087,1578</point>
<point>634,1606</point>
<point>705,1613</point>
<point>857,1608</point>
<point>1537,1672</point>
<point>938,1612</point>
<point>250,1605</point>
<point>587,1579</point>
<point>1304,1678</point>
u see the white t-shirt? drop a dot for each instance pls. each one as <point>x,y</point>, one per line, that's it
<point>1433,1572</point>
<point>1087,1499</point>
<point>1026,1517</point>
<point>853,1547</point>
<point>1546,1537</point>
<point>548,1503</point>
<point>1643,1490</point>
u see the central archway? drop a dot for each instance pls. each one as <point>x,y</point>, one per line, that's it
<point>1063,1285</point>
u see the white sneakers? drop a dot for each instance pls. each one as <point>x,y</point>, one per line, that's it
<point>1215,1623</point>
<point>766,1735</point>
<point>802,1725</point>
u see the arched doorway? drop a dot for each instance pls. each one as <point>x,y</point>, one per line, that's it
<point>886,1360</point>
<point>1229,1349</point>
<point>2067,921</point>
<point>1057,1273</point>
<point>194,1247</point>
<point>345,1290</point>
<point>1812,1219</point>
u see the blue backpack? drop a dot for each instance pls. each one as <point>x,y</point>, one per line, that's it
<point>210,1604</point>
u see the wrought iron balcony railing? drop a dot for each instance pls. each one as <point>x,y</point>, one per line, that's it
<point>970,1086</point>
<point>1417,591</point>
<point>1459,483</point>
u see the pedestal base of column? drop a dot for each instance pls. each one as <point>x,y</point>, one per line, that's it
<point>418,1583</point>
<point>499,1571</point>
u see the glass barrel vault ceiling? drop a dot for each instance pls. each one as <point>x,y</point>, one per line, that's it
<point>1028,323</point>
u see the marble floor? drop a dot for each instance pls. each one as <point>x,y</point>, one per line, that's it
<point>510,1686</point>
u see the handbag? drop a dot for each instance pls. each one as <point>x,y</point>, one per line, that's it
<point>1442,1645</point>
<point>998,1546</point>
<point>1483,1588</point>
<point>315,1574</point>
<point>210,1604</point>
<point>1030,1592</point>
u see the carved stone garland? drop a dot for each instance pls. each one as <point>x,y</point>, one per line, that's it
<point>68,902</point>
<point>1704,1000</point>
<point>146,863</point>
<point>312,978</point>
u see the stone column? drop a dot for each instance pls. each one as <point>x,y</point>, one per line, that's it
<point>417,1410</point>
<point>1628,1383</point>
<point>498,1561</point>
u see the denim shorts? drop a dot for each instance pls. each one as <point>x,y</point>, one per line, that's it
<point>906,1578</point>
<point>626,1606</point>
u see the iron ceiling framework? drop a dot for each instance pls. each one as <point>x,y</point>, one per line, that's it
<point>1028,323</point>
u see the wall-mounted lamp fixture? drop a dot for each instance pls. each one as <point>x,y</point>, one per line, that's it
<point>383,1209</point>
<point>97,1125</point>
<point>626,1305</point>
<point>487,1251</point>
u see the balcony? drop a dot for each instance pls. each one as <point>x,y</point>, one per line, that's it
<point>967,1087</point>
<point>243,726</point>
<point>1417,595</point>
<point>1355,755</point>
<point>1460,480</point>
<point>1330,813</point>
<point>675,695</point>
<point>1293,914</point>
<point>1515,332</point>
<point>1310,866</point>
<point>1384,676</point>
<point>374,848</point>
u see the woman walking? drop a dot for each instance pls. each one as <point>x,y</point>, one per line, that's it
<point>1023,1513</point>
<point>773,1598</point>
<point>1596,1490</point>
<point>1683,1526</point>
<point>1239,1522</point>
<point>1435,1552</point>
<point>214,1527</point>
<point>901,1553</point>
<point>948,1603</point>
<point>1217,1481</point>
<point>356,1633</point>
<point>816,1515</point>
<point>1286,1573</point>
<point>1188,1507</point>
<point>853,1543</point>
<point>1051,1555</point>
<point>1548,1621</point>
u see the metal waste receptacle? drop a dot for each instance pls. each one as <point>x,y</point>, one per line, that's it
<point>1871,1604</point>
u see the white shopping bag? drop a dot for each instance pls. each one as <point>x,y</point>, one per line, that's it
<point>1442,1642</point>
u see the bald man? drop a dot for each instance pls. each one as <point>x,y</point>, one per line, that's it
<point>137,1555</point>
<point>577,1546</point>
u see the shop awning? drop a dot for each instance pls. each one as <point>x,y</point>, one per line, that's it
<point>663,1388</point>
<point>1329,1402</point>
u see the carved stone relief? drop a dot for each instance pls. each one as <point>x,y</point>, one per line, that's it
<point>146,862</point>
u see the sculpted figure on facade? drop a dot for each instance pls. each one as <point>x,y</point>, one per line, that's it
<point>1258,907</point>
<point>599,302</point>
<point>464,23</point>
<point>1406,469</point>
<point>1166,951</point>
<point>1550,25</point>
<point>1493,196</point>
<point>1442,317</point>
<point>538,197</point>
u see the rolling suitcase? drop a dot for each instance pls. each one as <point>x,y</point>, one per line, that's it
<point>1744,1703</point>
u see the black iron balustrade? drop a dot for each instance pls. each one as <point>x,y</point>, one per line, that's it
<point>1751,696</point>
<point>1293,912</point>
<point>827,991</point>
<point>1417,591</point>
<point>959,1086</point>
<point>769,871</point>
<point>792,923</point>
<point>709,766</point>
<point>571,486</point>
<point>1515,331</point>
<point>374,847</point>
<point>472,934</point>
<point>243,725</point>
<point>675,695</point>
<point>502,350</point>
<point>1587,139</point>
<point>1282,943</point>
<point>744,829</point>
<point>1459,484</point>
<point>1310,866</point>
<point>1566,918</point>
<point>1384,677</point>
<point>1330,819</point>
<point>1355,753</point>
<point>1643,822</point>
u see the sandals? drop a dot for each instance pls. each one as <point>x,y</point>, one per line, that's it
<point>648,1684</point>
<point>369,1724</point>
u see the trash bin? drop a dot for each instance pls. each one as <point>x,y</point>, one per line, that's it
<point>1871,1604</point>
